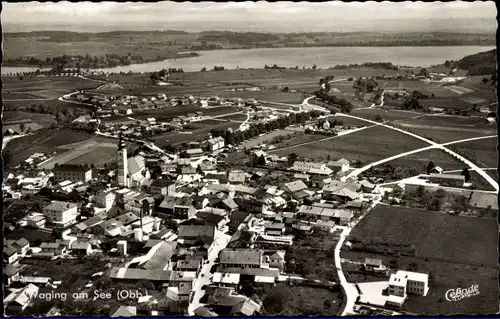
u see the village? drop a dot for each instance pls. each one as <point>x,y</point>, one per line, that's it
<point>192,227</point>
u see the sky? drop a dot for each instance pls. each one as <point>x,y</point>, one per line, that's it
<point>333,16</point>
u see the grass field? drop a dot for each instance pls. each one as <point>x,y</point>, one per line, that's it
<point>420,160</point>
<point>449,247</point>
<point>96,150</point>
<point>262,95</point>
<point>270,136</point>
<point>449,128</point>
<point>45,88</point>
<point>367,146</point>
<point>388,115</point>
<point>201,132</point>
<point>168,113</point>
<point>234,117</point>
<point>304,301</point>
<point>484,151</point>
<point>43,141</point>
<point>38,120</point>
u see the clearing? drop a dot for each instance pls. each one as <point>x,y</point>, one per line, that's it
<point>450,248</point>
<point>368,145</point>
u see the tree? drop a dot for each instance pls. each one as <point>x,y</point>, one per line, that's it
<point>485,80</point>
<point>430,166</point>
<point>466,174</point>
<point>7,158</point>
<point>261,161</point>
<point>204,69</point>
<point>314,67</point>
<point>292,157</point>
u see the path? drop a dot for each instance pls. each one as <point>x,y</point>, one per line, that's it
<point>351,292</point>
<point>221,241</point>
<point>487,177</point>
<point>244,125</point>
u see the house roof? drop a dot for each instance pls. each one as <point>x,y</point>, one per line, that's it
<point>295,186</point>
<point>240,256</point>
<point>10,270</point>
<point>22,242</point>
<point>160,182</point>
<point>125,311</point>
<point>204,312</point>
<point>9,251</point>
<point>280,255</point>
<point>60,206</point>
<point>230,203</point>
<point>135,164</point>
<point>447,176</point>
<point>138,274</point>
<point>247,307</point>
<point>190,231</point>
<point>160,257</point>
<point>80,245</point>
<point>373,261</point>
<point>127,218</point>
<point>237,177</point>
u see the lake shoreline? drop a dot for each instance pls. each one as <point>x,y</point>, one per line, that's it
<point>302,57</point>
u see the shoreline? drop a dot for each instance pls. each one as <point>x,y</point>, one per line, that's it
<point>183,56</point>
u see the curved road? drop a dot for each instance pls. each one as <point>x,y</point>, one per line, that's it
<point>487,177</point>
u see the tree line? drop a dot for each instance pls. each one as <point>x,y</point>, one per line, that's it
<point>255,129</point>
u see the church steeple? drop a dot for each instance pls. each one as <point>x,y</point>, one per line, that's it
<point>121,142</point>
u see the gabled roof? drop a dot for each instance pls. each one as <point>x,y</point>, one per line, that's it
<point>240,256</point>
<point>135,164</point>
<point>295,186</point>
<point>237,177</point>
<point>60,206</point>
<point>22,242</point>
<point>189,231</point>
<point>80,245</point>
<point>9,251</point>
<point>125,311</point>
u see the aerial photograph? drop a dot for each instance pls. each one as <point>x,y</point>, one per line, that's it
<point>249,159</point>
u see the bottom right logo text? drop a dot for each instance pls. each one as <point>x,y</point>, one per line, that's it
<point>462,293</point>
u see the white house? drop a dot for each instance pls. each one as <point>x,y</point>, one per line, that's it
<point>105,199</point>
<point>61,213</point>
<point>406,282</point>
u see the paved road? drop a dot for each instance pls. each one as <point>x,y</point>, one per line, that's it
<point>487,177</point>
<point>469,139</point>
<point>204,276</point>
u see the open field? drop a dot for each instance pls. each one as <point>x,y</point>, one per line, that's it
<point>450,248</point>
<point>302,301</point>
<point>263,95</point>
<point>493,173</point>
<point>388,115</point>
<point>97,150</point>
<point>43,141</point>
<point>234,117</point>
<point>267,137</point>
<point>367,146</point>
<point>420,161</point>
<point>38,120</point>
<point>484,151</point>
<point>168,113</point>
<point>45,88</point>
<point>201,132</point>
<point>448,128</point>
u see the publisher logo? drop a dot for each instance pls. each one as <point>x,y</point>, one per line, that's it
<point>462,293</point>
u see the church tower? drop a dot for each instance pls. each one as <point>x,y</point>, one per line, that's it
<point>122,172</point>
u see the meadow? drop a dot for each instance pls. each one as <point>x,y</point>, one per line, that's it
<point>452,258</point>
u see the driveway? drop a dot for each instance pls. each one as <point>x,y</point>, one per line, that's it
<point>221,241</point>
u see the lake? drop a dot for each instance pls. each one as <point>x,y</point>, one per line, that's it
<point>323,57</point>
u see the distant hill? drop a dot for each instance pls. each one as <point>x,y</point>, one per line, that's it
<point>483,63</point>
